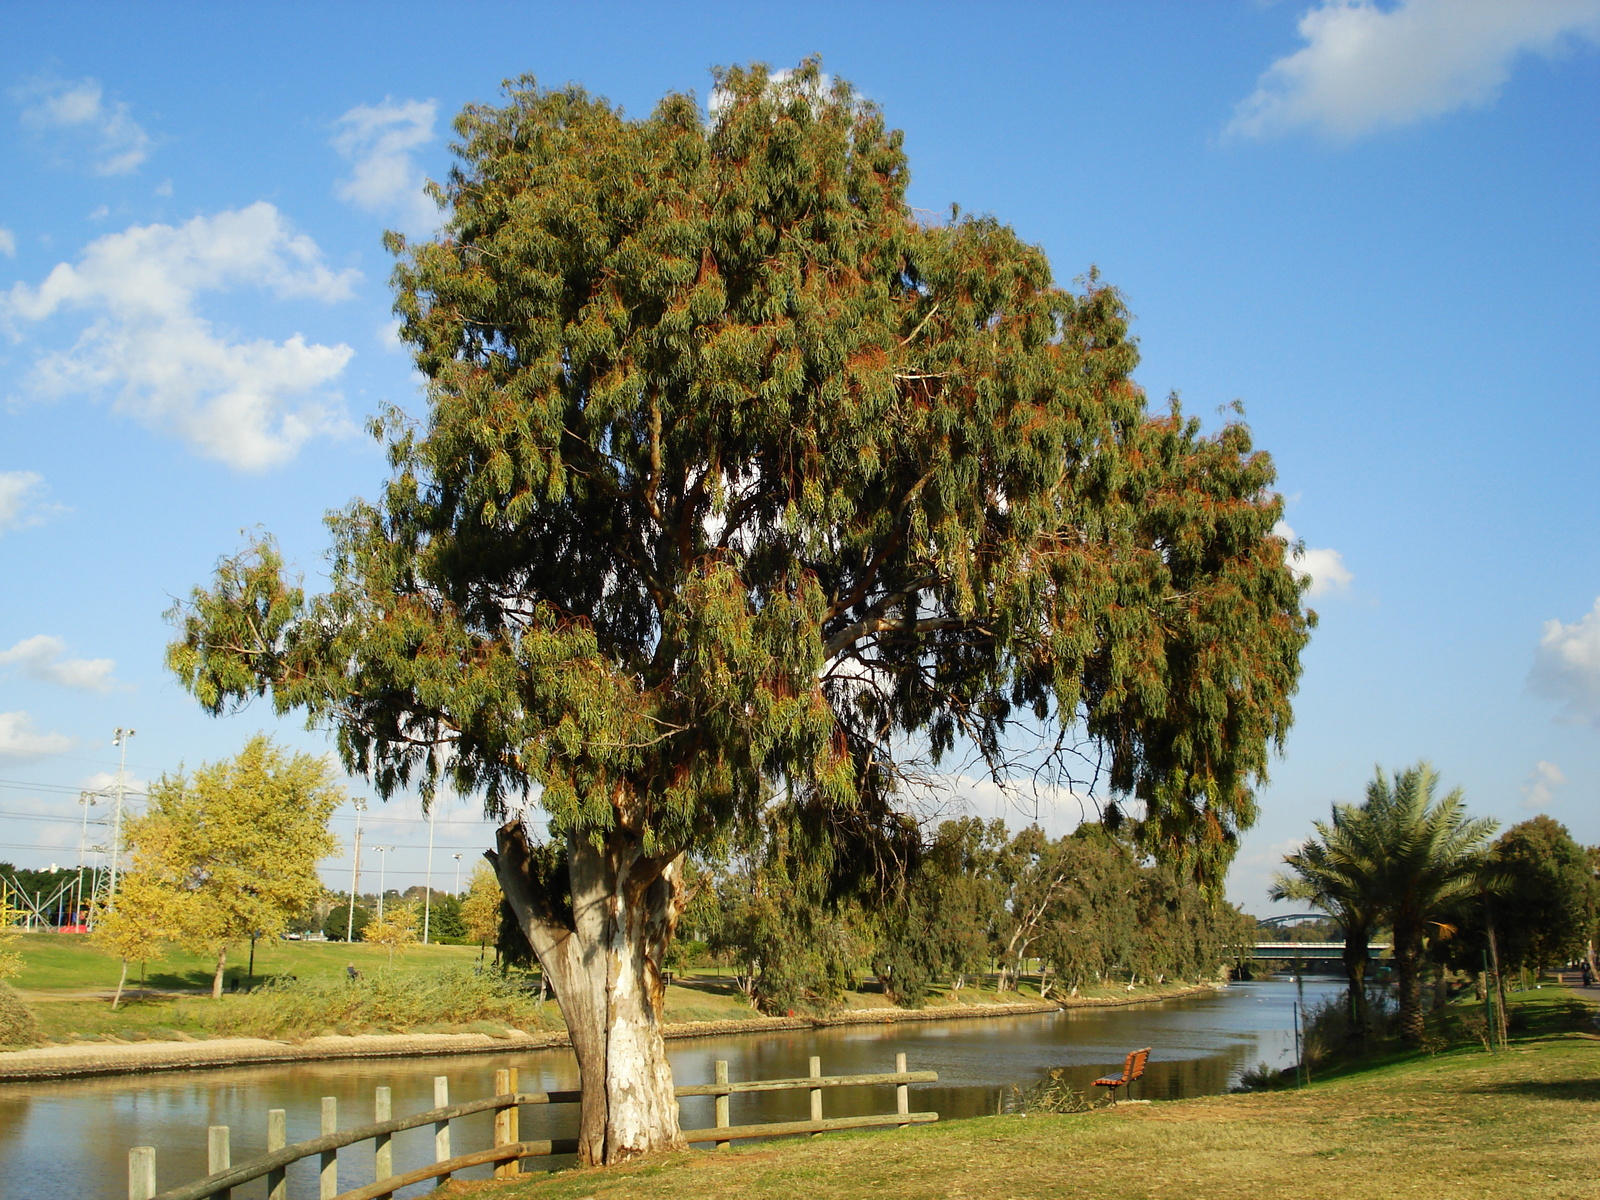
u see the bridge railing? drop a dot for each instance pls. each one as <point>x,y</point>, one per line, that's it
<point>508,1149</point>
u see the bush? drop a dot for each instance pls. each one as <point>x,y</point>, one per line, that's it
<point>17,1025</point>
<point>384,1000</point>
<point>339,921</point>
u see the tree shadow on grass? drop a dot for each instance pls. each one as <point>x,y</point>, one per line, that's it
<point>1540,1089</point>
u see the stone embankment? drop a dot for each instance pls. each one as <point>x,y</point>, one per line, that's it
<point>107,1058</point>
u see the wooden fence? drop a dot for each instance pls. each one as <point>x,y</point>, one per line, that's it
<point>508,1149</point>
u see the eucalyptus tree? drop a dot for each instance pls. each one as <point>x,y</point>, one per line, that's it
<point>1340,870</point>
<point>1432,855</point>
<point>737,480</point>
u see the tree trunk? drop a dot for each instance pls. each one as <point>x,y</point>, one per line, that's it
<point>603,959</point>
<point>216,980</point>
<point>1356,957</point>
<point>117,999</point>
<point>1408,969</point>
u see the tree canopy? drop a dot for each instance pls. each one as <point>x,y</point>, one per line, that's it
<point>740,481</point>
<point>232,851</point>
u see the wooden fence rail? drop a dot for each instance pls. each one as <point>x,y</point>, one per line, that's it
<point>508,1149</point>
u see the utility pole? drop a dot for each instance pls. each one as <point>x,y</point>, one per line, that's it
<point>457,857</point>
<point>427,891</point>
<point>120,739</point>
<point>355,876</point>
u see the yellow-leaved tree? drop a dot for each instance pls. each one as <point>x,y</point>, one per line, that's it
<point>147,915</point>
<point>395,930</point>
<point>10,960</point>
<point>480,911</point>
<point>232,851</point>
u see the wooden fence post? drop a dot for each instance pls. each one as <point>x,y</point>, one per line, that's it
<point>218,1156</point>
<point>505,1121</point>
<point>328,1176</point>
<point>277,1139</point>
<point>722,1102</point>
<point>141,1172</point>
<point>441,1129</point>
<point>513,1123</point>
<point>816,1093</point>
<point>902,1092</point>
<point>382,1150</point>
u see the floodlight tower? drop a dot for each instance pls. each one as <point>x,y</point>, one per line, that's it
<point>119,739</point>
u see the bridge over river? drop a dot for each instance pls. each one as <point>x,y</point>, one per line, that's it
<point>1314,951</point>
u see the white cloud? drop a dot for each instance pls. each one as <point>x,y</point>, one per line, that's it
<point>1366,66</point>
<point>118,142</point>
<point>1325,567</point>
<point>21,742</point>
<point>16,506</point>
<point>380,141</point>
<point>251,404</point>
<point>8,242</point>
<point>1566,667</point>
<point>44,658</point>
<point>1541,784</point>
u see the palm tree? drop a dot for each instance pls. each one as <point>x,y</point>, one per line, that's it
<point>1338,871</point>
<point>1431,855</point>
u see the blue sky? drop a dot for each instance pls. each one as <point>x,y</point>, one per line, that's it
<point>1372,223</point>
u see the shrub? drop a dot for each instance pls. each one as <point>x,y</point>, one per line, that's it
<point>17,1025</point>
<point>384,1000</point>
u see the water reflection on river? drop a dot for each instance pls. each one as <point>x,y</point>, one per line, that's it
<point>71,1138</point>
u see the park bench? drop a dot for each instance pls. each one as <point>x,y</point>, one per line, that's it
<point>1132,1069</point>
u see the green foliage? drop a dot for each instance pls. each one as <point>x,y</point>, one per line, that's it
<point>18,1026</point>
<point>1545,906</point>
<point>444,917</point>
<point>735,472</point>
<point>1402,858</point>
<point>1342,871</point>
<point>339,922</point>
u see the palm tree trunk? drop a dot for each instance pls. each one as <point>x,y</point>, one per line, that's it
<point>1408,967</point>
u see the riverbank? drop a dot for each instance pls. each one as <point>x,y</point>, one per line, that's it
<point>189,1053</point>
<point>1459,1125</point>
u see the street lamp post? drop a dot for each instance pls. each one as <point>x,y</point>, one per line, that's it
<point>427,891</point>
<point>355,877</point>
<point>383,864</point>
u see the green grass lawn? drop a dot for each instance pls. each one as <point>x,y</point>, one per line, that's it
<point>1458,1125</point>
<point>66,962</point>
<point>64,977</point>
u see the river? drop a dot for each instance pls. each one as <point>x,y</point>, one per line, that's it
<point>71,1138</point>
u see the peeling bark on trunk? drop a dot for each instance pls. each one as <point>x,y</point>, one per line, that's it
<point>603,962</point>
<point>117,999</point>
<point>216,980</point>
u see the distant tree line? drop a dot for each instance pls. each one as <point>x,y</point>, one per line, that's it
<point>975,900</point>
